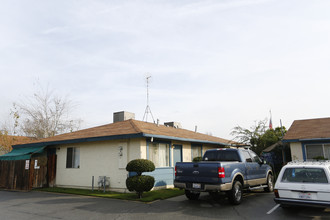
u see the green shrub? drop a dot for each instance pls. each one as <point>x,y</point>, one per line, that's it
<point>320,158</point>
<point>140,165</point>
<point>140,183</point>
<point>197,159</point>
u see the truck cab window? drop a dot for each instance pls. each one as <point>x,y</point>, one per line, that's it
<point>222,155</point>
<point>255,157</point>
<point>247,156</point>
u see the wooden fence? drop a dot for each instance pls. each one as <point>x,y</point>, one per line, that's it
<point>28,174</point>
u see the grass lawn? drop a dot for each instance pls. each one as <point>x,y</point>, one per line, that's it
<point>146,196</point>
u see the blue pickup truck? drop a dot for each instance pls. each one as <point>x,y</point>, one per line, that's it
<point>227,170</point>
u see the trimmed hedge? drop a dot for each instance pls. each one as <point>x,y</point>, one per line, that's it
<point>197,159</point>
<point>140,183</point>
<point>140,165</point>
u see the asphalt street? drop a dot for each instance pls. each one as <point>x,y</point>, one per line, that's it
<point>40,205</point>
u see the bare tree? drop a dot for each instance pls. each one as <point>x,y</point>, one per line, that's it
<point>5,142</point>
<point>250,136</point>
<point>44,115</point>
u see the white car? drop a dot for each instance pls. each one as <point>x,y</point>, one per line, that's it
<point>304,184</point>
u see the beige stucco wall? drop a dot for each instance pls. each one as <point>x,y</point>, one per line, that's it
<point>208,147</point>
<point>296,151</point>
<point>186,150</point>
<point>106,158</point>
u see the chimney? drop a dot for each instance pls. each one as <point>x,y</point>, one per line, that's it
<point>122,116</point>
<point>173,124</point>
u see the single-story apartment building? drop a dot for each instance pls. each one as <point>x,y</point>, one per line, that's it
<point>106,150</point>
<point>309,139</point>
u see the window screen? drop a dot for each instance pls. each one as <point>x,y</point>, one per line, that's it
<point>327,151</point>
<point>73,157</point>
<point>313,151</point>
<point>159,154</point>
<point>196,151</point>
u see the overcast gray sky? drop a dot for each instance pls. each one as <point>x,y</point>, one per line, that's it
<point>214,64</point>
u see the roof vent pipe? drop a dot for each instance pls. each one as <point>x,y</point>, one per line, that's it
<point>195,128</point>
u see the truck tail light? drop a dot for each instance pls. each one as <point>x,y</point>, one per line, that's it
<point>221,172</point>
<point>276,193</point>
<point>175,171</point>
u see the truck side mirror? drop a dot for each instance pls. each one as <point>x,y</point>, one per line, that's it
<point>262,161</point>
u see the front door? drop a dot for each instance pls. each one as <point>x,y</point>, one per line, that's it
<point>177,154</point>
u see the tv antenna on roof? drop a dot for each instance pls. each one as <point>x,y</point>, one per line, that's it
<point>148,110</point>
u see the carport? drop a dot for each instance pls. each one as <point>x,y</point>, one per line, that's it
<point>25,168</point>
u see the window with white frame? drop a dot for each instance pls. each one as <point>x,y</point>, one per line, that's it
<point>159,154</point>
<point>196,151</point>
<point>73,157</point>
<point>317,150</point>
<point>327,151</point>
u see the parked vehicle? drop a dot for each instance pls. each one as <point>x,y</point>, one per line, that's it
<point>224,170</point>
<point>304,184</point>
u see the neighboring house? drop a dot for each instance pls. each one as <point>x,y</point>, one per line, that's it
<point>106,150</point>
<point>309,139</point>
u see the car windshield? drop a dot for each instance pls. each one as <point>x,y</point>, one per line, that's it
<point>304,175</point>
<point>221,155</point>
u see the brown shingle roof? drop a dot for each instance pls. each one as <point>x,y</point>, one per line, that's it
<point>309,129</point>
<point>131,127</point>
<point>149,128</point>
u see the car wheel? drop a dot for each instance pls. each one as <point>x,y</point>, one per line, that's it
<point>235,195</point>
<point>191,196</point>
<point>270,183</point>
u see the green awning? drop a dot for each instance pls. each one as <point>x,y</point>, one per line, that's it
<point>22,153</point>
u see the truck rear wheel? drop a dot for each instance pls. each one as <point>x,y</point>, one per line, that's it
<point>191,195</point>
<point>235,194</point>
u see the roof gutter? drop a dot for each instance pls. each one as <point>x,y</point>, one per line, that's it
<point>290,140</point>
<point>307,139</point>
<point>314,139</point>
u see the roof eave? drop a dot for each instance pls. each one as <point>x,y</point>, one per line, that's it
<point>314,139</point>
<point>184,139</point>
<point>117,137</point>
<point>80,140</point>
<point>306,139</point>
<point>290,140</point>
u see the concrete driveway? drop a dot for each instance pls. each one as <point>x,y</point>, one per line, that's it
<point>41,205</point>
